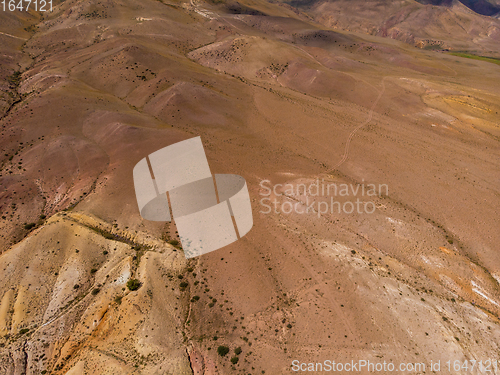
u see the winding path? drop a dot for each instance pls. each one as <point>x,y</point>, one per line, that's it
<point>351,135</point>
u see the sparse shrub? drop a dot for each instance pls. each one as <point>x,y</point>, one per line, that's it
<point>118,299</point>
<point>76,286</point>
<point>195,298</point>
<point>29,226</point>
<point>95,291</point>
<point>234,360</point>
<point>237,351</point>
<point>133,284</point>
<point>173,242</point>
<point>289,325</point>
<point>105,252</point>
<point>183,285</point>
<point>15,78</point>
<point>93,270</point>
<point>222,350</point>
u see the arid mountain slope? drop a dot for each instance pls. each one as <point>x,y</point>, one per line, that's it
<point>89,287</point>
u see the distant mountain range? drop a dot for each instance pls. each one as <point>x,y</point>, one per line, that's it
<point>470,25</point>
<point>484,7</point>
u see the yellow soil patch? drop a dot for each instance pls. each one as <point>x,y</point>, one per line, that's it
<point>4,311</point>
<point>445,250</point>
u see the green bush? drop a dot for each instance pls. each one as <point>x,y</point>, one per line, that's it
<point>237,351</point>
<point>15,78</point>
<point>31,28</point>
<point>95,291</point>
<point>133,284</point>
<point>234,360</point>
<point>222,350</point>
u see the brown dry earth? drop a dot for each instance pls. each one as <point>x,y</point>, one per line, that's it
<point>274,96</point>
